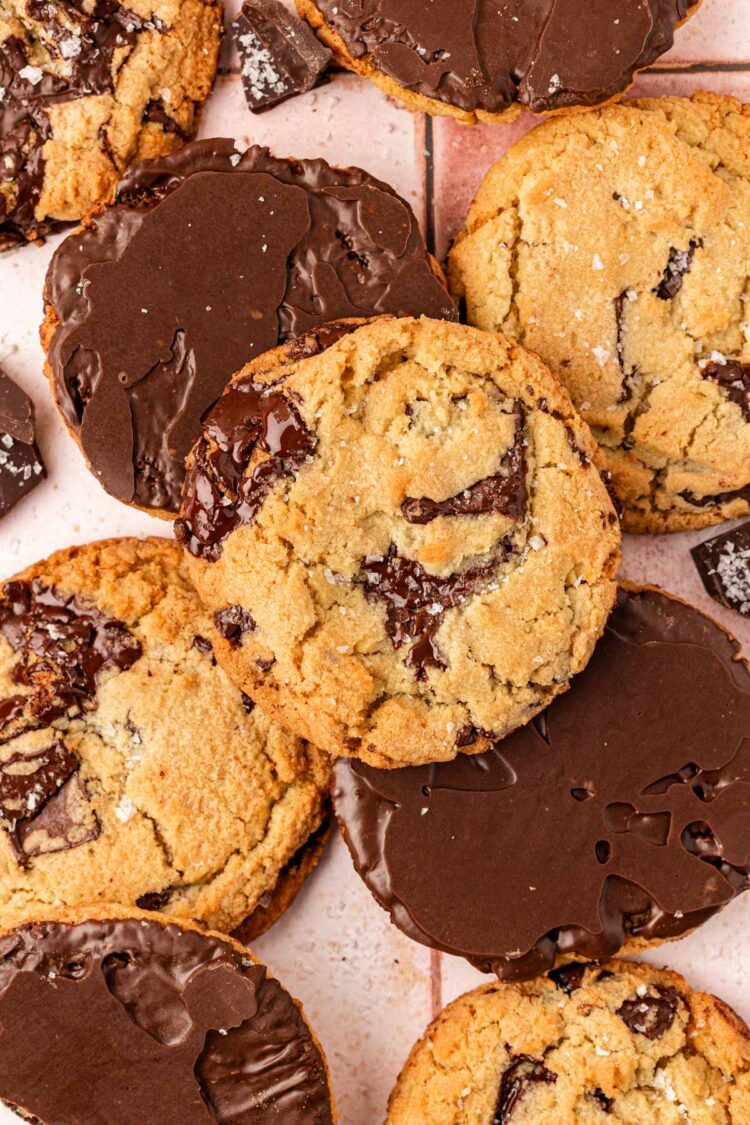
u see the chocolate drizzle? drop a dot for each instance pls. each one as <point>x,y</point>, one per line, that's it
<point>275,248</point>
<point>504,493</point>
<point>679,265</point>
<point>481,55</point>
<point>733,377</point>
<point>632,802</point>
<point>82,48</point>
<point>523,1073</point>
<point>151,1023</point>
<point>228,482</point>
<point>21,467</point>
<point>416,601</point>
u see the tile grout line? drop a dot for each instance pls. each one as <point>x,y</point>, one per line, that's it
<point>429,183</point>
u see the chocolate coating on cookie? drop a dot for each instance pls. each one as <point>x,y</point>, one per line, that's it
<point>272,249</point>
<point>127,1021</point>
<point>21,465</point>
<point>631,795</point>
<point>479,55</point>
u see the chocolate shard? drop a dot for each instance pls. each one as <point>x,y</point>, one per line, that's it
<point>678,266</point>
<point>723,563</point>
<point>280,55</point>
<point>21,465</point>
<point>733,376</point>
<point>65,821</point>
<point>650,1015</point>
<point>504,493</point>
<point>520,1077</point>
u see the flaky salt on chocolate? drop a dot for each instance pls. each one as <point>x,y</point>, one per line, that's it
<point>21,466</point>
<point>723,563</point>
<point>280,55</point>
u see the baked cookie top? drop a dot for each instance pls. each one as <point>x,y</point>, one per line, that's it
<point>126,1017</point>
<point>641,215</point>
<point>479,59</point>
<point>619,1042</point>
<point>87,89</point>
<point>205,260</point>
<point>403,538</point>
<point>131,768</point>
<point>618,817</point>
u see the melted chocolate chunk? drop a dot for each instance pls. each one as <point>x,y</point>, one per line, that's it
<point>233,622</point>
<point>648,1015</point>
<point>504,493</point>
<point>641,771</point>
<point>66,820</point>
<point>679,265</point>
<point>155,900</point>
<point>569,977</point>
<point>21,467</point>
<point>228,483</point>
<point>272,247</point>
<point>481,55</point>
<point>523,1073</point>
<point>279,54</point>
<point>723,563</point>
<point>416,601</point>
<point>733,377</point>
<point>85,45</point>
<point>151,1023</point>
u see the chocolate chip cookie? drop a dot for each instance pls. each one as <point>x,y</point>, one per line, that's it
<point>131,768</point>
<point>87,89</point>
<point>641,215</point>
<point>118,1015</point>
<point>402,537</point>
<point>479,60</point>
<point>593,1044</point>
<point>618,818</point>
<point>205,260</point>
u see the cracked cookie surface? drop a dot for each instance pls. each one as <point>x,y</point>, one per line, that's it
<point>131,768</point>
<point>619,1042</point>
<point>122,1016</point>
<point>641,214</point>
<point>403,539</point>
<point>88,88</point>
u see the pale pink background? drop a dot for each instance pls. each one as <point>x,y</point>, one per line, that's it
<point>368,990</point>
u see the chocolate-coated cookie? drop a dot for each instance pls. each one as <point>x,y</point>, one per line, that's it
<point>598,1044</point>
<point>617,818</point>
<point>131,768</point>
<point>403,539</point>
<point>205,260</point>
<point>641,214</point>
<point>482,60</point>
<point>86,90</point>
<point>113,1016</point>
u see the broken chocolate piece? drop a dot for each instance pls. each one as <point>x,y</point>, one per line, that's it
<point>523,1073</point>
<point>649,1015</point>
<point>733,376</point>
<point>723,563</point>
<point>21,466</point>
<point>280,55</point>
<point>65,821</point>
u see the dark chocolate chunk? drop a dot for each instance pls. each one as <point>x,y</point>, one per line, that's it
<point>21,467</point>
<point>650,1015</point>
<point>279,54</point>
<point>723,563</point>
<point>602,1099</point>
<point>66,820</point>
<point>272,247</point>
<point>85,42</point>
<point>641,771</point>
<point>679,265</point>
<point>416,601</point>
<point>233,622</point>
<point>131,1021</point>
<point>521,1076</point>
<point>733,376</point>
<point>505,492</point>
<point>155,900</point>
<point>569,977</point>
<point>481,55</point>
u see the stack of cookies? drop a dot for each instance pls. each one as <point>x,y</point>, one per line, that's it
<point>391,599</point>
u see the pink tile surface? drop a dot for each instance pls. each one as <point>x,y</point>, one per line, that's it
<point>367,989</point>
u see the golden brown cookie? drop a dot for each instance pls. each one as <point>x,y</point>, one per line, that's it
<point>118,1015</point>
<point>402,537</point>
<point>131,768</point>
<point>587,1045</point>
<point>87,89</point>
<point>478,60</point>
<point>617,245</point>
